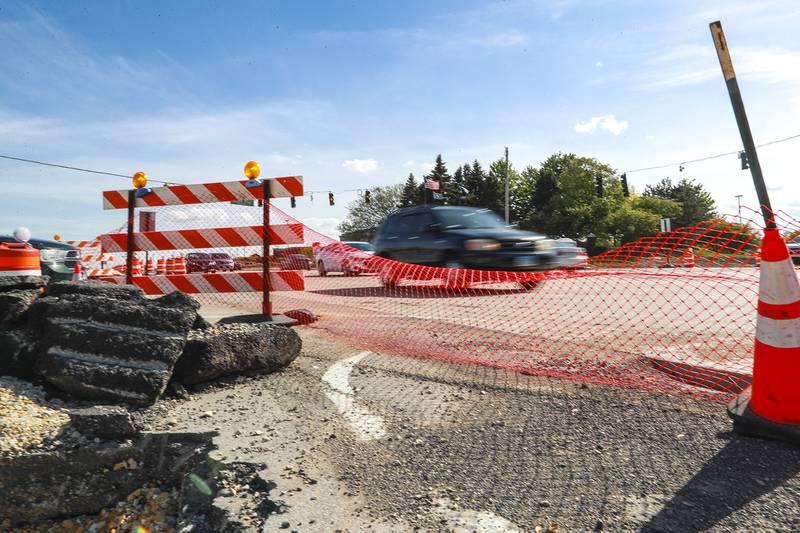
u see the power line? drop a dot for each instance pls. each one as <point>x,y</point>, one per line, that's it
<point>735,152</point>
<point>79,169</point>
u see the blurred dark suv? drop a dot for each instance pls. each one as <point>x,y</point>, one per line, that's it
<point>462,237</point>
<point>58,259</point>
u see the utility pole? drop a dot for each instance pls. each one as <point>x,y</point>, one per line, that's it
<point>725,62</point>
<point>507,214</point>
<point>739,202</point>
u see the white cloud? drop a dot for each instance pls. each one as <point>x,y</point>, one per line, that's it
<point>599,64</point>
<point>606,122</point>
<point>361,165</point>
<point>409,164</point>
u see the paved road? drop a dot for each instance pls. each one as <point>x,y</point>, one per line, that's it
<point>358,440</point>
<point>602,325</point>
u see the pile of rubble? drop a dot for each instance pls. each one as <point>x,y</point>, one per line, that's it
<point>77,360</point>
<point>110,343</point>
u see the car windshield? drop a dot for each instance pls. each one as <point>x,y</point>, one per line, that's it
<point>199,256</point>
<point>364,246</point>
<point>220,256</point>
<point>468,218</point>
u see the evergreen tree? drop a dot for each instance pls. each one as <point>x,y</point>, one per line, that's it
<point>459,187</point>
<point>411,192</point>
<point>474,179</point>
<point>439,173</point>
<point>697,204</point>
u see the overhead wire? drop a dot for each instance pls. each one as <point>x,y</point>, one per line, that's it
<point>79,169</point>
<point>643,169</point>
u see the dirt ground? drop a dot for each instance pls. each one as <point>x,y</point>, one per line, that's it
<point>355,440</point>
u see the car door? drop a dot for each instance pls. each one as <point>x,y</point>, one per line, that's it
<point>421,248</point>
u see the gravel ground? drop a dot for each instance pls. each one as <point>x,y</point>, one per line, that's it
<point>472,448</point>
<point>27,420</point>
<point>468,441</point>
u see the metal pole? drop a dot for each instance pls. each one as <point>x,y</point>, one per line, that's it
<point>739,202</point>
<point>507,215</point>
<point>723,53</point>
<point>266,305</point>
<point>129,258</point>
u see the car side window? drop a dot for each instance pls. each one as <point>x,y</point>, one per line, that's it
<point>398,226</point>
<point>418,223</point>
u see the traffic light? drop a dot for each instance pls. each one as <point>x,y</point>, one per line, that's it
<point>293,202</point>
<point>599,181</point>
<point>366,196</point>
<point>625,190</point>
<point>331,200</point>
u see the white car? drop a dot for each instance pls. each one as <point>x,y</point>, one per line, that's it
<point>348,257</point>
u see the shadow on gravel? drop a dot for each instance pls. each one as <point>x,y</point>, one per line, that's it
<point>744,470</point>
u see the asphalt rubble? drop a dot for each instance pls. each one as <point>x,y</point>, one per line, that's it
<point>82,365</point>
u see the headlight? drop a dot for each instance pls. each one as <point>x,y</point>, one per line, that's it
<point>482,244</point>
<point>50,256</point>
<point>544,244</point>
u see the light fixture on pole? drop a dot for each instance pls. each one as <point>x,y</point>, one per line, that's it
<point>739,202</point>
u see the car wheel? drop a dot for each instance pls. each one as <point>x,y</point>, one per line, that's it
<point>321,269</point>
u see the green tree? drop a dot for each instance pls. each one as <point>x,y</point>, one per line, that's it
<point>362,216</point>
<point>564,199</point>
<point>639,216</point>
<point>495,195</point>
<point>475,183</point>
<point>697,204</point>
<point>410,194</point>
<point>439,173</point>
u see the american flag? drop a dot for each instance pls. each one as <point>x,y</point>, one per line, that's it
<point>432,184</point>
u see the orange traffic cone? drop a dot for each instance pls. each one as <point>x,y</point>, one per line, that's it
<point>687,259</point>
<point>771,406</point>
<point>77,275</point>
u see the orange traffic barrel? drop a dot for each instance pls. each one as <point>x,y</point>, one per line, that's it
<point>180,265</point>
<point>19,259</point>
<point>161,267</point>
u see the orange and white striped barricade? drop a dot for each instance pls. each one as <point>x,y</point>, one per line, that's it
<point>230,191</point>
<point>149,241</point>
<point>161,267</point>
<point>771,406</point>
<point>19,259</point>
<point>219,282</point>
<point>233,191</point>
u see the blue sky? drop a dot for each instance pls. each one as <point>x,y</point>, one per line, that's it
<point>358,94</point>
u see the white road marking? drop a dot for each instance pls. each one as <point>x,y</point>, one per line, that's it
<point>469,521</point>
<point>364,423</point>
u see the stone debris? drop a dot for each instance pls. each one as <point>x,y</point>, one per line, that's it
<point>104,343</point>
<point>151,508</point>
<point>235,348</point>
<point>26,419</point>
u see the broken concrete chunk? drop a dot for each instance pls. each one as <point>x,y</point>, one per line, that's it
<point>235,348</point>
<point>12,283</point>
<point>14,305</point>
<point>18,351</point>
<point>104,421</point>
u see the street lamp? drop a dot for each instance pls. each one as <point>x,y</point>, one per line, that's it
<point>739,202</point>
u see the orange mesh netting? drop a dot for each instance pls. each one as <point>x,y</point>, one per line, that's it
<point>673,313</point>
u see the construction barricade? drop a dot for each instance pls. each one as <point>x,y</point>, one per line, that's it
<point>200,260</point>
